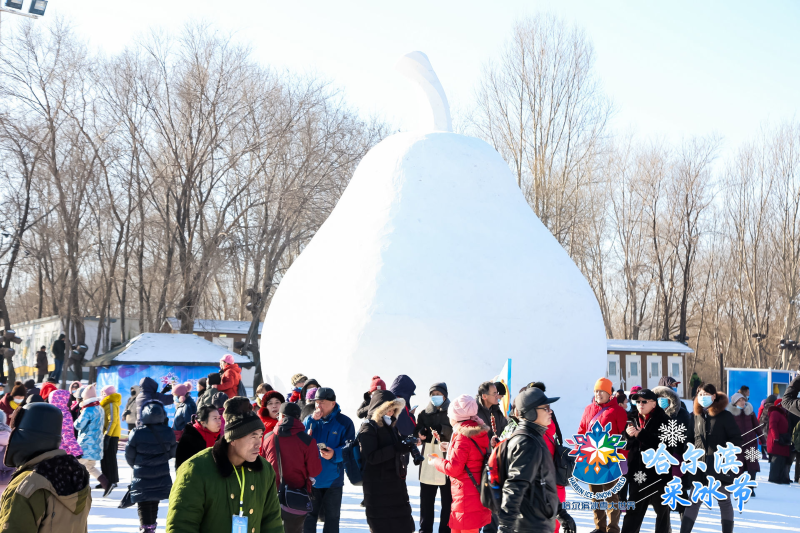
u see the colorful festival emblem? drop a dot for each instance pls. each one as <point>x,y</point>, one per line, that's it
<point>597,455</point>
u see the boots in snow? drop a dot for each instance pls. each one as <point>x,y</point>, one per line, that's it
<point>148,529</point>
<point>727,526</point>
<point>687,524</point>
<point>111,486</point>
<point>103,480</point>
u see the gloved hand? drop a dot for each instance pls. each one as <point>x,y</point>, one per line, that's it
<point>566,521</point>
<point>166,389</point>
<point>367,397</point>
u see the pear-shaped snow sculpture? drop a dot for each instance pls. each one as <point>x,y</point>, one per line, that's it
<point>433,265</point>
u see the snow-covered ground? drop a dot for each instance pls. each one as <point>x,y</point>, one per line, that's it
<point>776,508</point>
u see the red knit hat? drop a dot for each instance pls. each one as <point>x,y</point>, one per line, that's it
<point>377,384</point>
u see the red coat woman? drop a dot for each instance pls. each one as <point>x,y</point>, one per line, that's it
<point>465,454</point>
<point>778,424</point>
<point>230,376</point>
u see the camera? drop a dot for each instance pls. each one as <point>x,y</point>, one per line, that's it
<point>410,442</point>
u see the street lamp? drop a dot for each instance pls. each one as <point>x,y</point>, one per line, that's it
<point>35,10</point>
<point>14,4</point>
<point>38,7</point>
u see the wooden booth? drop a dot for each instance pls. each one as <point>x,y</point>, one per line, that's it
<point>643,363</point>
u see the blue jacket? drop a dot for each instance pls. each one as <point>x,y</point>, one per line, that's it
<point>183,413</point>
<point>90,432</point>
<point>403,387</point>
<point>333,431</point>
<point>149,449</point>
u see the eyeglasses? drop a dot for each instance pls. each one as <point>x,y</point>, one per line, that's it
<point>545,408</point>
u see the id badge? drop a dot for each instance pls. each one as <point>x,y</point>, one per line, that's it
<point>239,524</point>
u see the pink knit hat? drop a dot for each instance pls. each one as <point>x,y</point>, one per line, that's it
<point>227,359</point>
<point>108,390</point>
<point>182,389</point>
<point>463,408</point>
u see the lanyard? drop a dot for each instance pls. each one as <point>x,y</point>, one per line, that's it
<point>241,484</point>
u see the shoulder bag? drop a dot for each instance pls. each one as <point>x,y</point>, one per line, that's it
<point>295,499</point>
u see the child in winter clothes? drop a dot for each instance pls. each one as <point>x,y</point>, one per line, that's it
<point>90,433</point>
<point>150,447</point>
<point>230,376</point>
<point>148,390</point>
<point>60,398</point>
<point>5,471</point>
<point>13,399</point>
<point>185,408</point>
<point>298,382</point>
<point>110,402</point>
<point>463,456</point>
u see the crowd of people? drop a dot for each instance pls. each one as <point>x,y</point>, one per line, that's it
<point>279,464</point>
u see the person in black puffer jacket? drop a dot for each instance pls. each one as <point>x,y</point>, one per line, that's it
<point>148,391</point>
<point>383,455</point>
<point>643,436</point>
<point>150,447</point>
<point>714,426</point>
<point>201,433</point>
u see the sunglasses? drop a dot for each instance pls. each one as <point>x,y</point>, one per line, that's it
<point>643,402</point>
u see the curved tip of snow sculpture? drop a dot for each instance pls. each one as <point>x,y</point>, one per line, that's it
<point>417,67</point>
<point>432,264</point>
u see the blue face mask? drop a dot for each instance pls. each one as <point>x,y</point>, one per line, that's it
<point>663,403</point>
<point>674,389</point>
<point>437,401</point>
<point>705,401</point>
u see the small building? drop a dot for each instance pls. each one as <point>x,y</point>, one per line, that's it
<point>762,382</point>
<point>221,332</point>
<point>168,358</point>
<point>44,331</point>
<point>643,363</point>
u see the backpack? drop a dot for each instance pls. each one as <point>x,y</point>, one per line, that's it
<point>494,475</point>
<point>351,458</point>
<point>241,391</point>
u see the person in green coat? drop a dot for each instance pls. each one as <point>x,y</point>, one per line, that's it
<point>228,482</point>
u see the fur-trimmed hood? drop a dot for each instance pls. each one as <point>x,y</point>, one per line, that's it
<point>748,409</point>
<point>672,396</point>
<point>715,408</point>
<point>376,413</point>
<point>381,403</point>
<point>470,428</point>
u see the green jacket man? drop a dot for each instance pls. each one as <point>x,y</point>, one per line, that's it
<point>229,479</point>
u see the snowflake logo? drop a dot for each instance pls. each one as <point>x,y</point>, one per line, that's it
<point>672,433</point>
<point>170,377</point>
<point>752,455</point>
<point>640,477</point>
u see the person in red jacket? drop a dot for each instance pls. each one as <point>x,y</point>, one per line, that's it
<point>299,460</point>
<point>270,410</point>
<point>779,453</point>
<point>465,453</point>
<point>230,376</point>
<point>605,409</point>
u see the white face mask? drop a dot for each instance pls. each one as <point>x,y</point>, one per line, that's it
<point>388,420</point>
<point>19,400</point>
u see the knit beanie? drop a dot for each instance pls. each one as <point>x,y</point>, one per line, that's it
<point>464,408</point>
<point>108,390</point>
<point>227,359</point>
<point>214,379</point>
<point>604,384</point>
<point>180,390</point>
<point>440,387</point>
<point>240,419</point>
<point>311,394</point>
<point>89,392</point>
<point>377,384</point>
<point>30,384</point>
<point>18,390</point>
<point>297,378</point>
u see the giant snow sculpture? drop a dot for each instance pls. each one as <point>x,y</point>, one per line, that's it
<point>433,265</point>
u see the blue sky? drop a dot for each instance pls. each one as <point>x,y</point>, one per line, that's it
<point>673,69</point>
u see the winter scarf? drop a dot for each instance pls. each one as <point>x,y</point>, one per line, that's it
<point>208,436</point>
